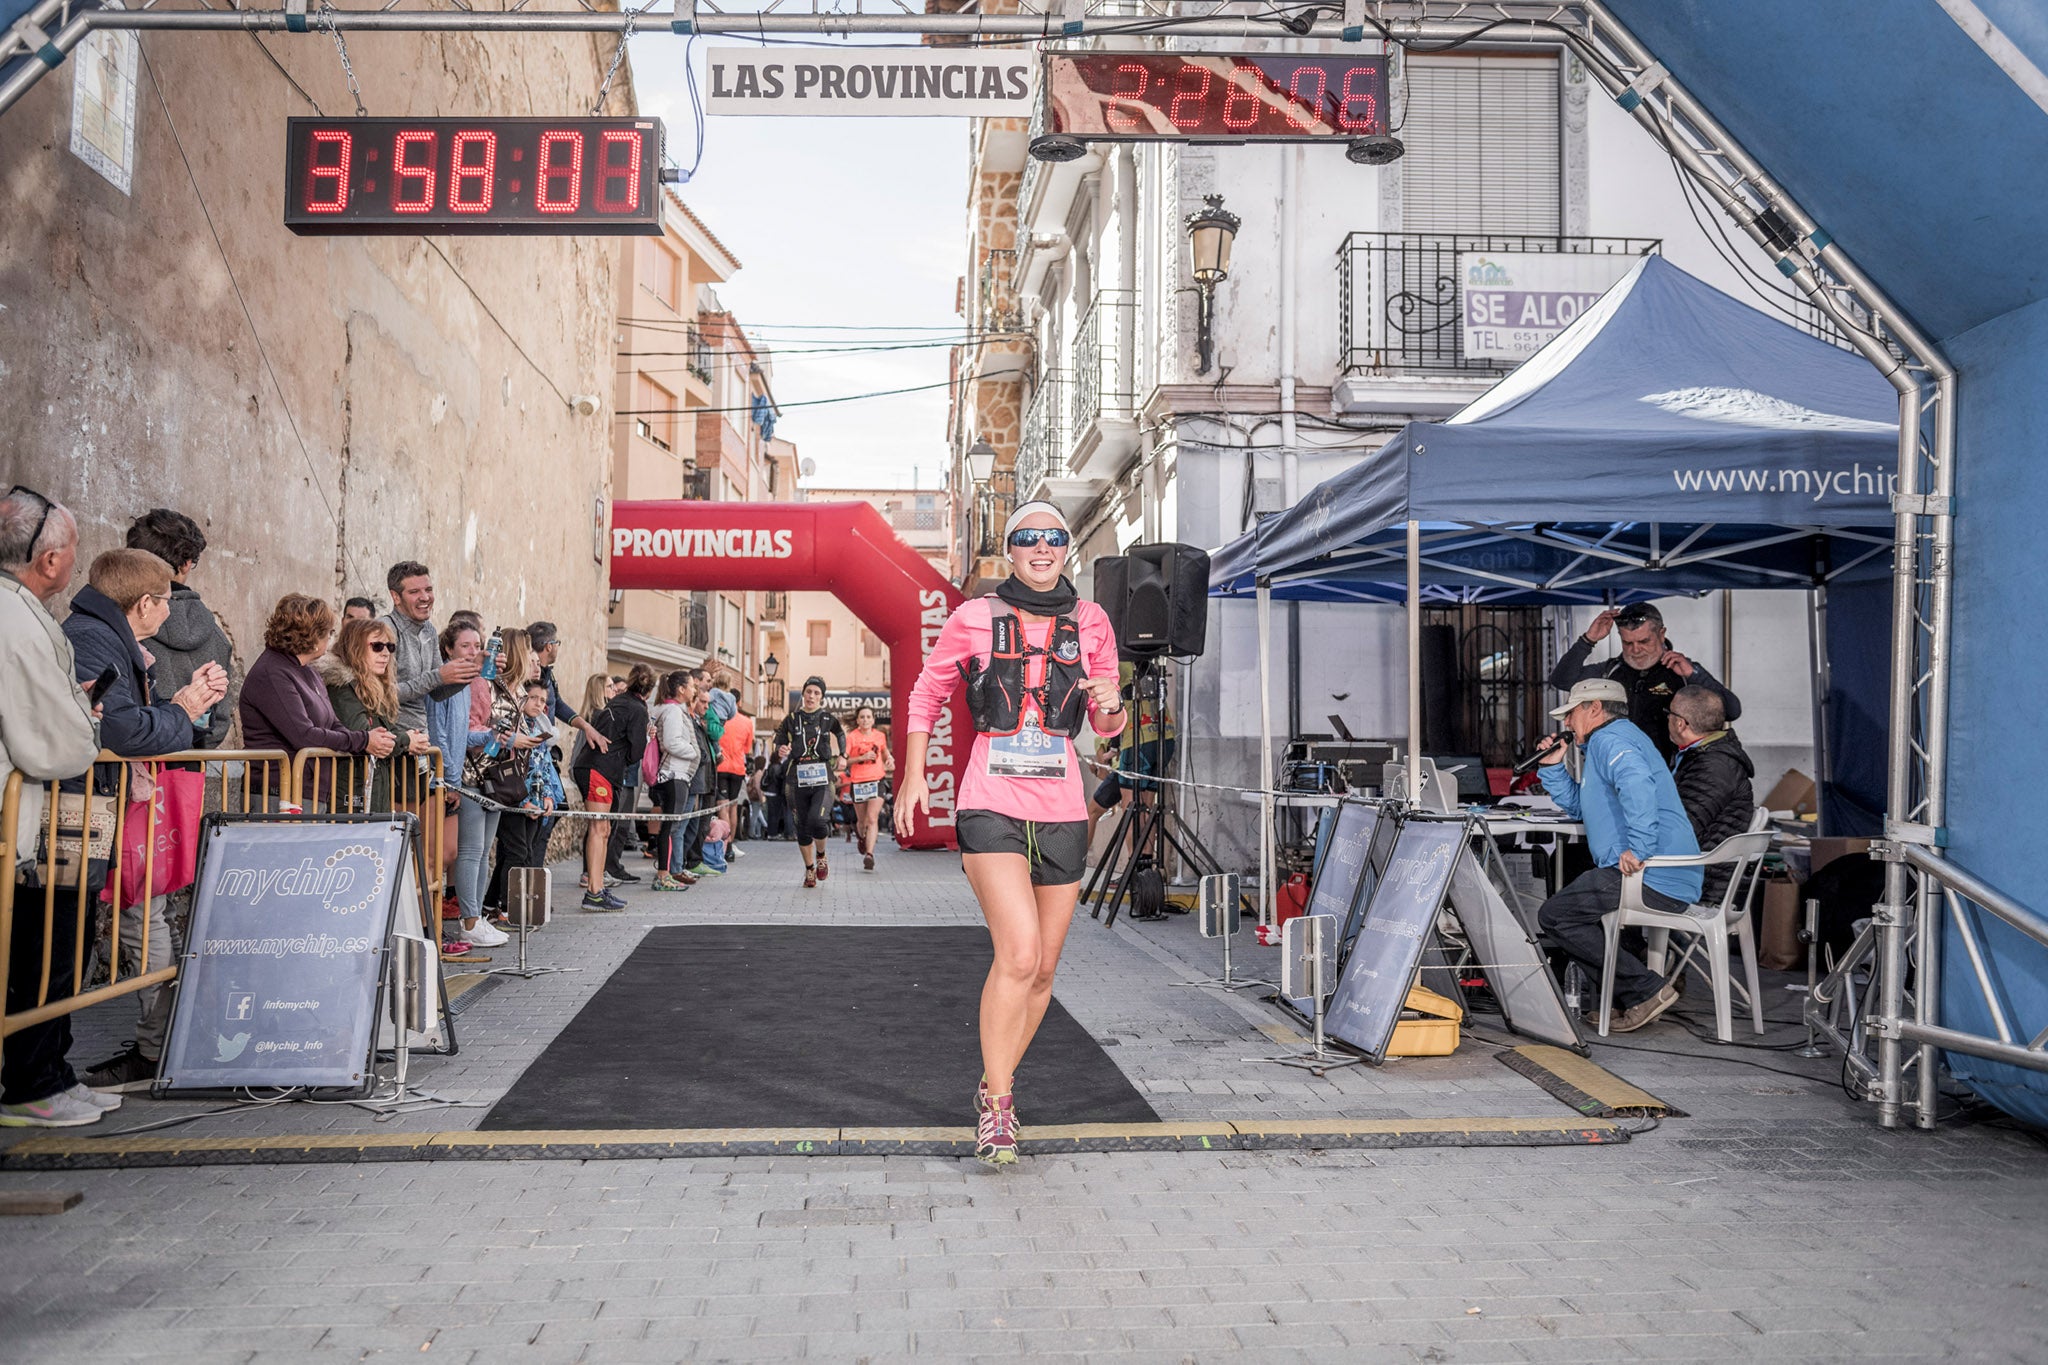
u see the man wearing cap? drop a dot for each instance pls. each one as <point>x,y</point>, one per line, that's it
<point>1648,668</point>
<point>1631,811</point>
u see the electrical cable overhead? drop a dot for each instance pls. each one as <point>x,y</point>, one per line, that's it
<point>799,403</point>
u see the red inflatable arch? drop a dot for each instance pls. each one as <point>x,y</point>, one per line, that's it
<point>844,548</point>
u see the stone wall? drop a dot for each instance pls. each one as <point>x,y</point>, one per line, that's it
<point>409,398</point>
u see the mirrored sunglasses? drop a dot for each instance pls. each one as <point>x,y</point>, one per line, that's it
<point>1024,537</point>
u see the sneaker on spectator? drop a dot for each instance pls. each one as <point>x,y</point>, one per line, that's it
<point>52,1111</point>
<point>604,904</point>
<point>705,870</point>
<point>120,1074</point>
<point>106,1104</point>
<point>484,936</point>
<point>735,852</point>
<point>625,876</point>
<point>664,882</point>
<point>454,947</point>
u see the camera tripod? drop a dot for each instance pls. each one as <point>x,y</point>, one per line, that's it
<point>1147,825</point>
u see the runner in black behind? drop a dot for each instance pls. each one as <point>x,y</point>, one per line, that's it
<point>811,745</point>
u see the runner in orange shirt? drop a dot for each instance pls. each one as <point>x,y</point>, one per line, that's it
<point>868,761</point>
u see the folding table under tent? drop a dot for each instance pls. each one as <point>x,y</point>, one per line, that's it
<point>1672,440</point>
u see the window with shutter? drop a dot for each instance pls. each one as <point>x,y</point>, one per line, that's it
<point>1483,146</point>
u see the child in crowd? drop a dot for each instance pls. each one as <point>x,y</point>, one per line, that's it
<point>715,835</point>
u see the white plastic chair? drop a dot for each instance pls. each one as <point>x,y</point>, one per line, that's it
<point>1710,926</point>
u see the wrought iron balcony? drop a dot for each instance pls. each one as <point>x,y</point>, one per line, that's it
<point>699,358</point>
<point>774,606</point>
<point>695,623</point>
<point>1103,382</point>
<point>1398,299</point>
<point>1042,453</point>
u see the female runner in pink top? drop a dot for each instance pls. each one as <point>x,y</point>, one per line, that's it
<point>1038,663</point>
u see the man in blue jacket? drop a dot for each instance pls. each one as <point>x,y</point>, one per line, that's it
<point>1631,811</point>
<point>127,599</point>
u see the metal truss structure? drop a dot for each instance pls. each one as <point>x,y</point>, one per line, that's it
<point>1864,1004</point>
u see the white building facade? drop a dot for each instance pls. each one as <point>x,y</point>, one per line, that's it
<point>1338,323</point>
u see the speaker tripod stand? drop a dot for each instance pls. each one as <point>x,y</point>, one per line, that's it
<point>1147,826</point>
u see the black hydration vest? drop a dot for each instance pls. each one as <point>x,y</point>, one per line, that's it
<point>995,687</point>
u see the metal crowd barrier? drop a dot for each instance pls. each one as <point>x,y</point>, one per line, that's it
<point>347,784</point>
<point>72,866</point>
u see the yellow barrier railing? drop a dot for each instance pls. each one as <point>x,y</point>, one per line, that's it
<point>347,784</point>
<point>79,832</point>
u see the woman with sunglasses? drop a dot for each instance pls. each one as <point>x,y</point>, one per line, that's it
<point>1038,663</point>
<point>364,694</point>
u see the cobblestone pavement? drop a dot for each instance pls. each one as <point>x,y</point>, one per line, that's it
<point>1778,1222</point>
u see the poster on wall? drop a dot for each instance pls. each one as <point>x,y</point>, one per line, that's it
<point>1511,303</point>
<point>103,89</point>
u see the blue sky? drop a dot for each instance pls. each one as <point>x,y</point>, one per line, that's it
<point>837,222</point>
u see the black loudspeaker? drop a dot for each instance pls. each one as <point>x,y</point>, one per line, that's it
<point>1157,598</point>
<point>1440,693</point>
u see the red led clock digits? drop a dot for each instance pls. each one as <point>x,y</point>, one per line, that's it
<point>621,171</point>
<point>1198,96</point>
<point>1298,101</point>
<point>1242,105</point>
<point>472,171</point>
<point>403,198</point>
<point>1123,120</point>
<point>1348,121</point>
<point>336,175</point>
<point>550,170</point>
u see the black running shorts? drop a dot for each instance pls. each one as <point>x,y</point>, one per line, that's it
<point>1056,850</point>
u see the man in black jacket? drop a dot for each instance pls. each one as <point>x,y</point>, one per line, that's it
<point>190,636</point>
<point>1648,669</point>
<point>1713,774</point>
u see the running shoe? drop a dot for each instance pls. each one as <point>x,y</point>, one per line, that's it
<point>867,862</point>
<point>703,870</point>
<point>482,935</point>
<point>664,882</point>
<point>625,876</point>
<point>605,904</point>
<point>810,878</point>
<point>61,1110</point>
<point>105,1103</point>
<point>821,867</point>
<point>995,1136</point>
<point>121,1073</point>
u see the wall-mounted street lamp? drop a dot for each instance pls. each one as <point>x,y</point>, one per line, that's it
<point>981,462</point>
<point>1210,233</point>
<point>770,666</point>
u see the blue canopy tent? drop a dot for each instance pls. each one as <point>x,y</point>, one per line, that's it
<point>1671,440</point>
<point>1953,237</point>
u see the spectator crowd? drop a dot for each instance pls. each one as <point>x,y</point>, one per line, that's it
<point>140,667</point>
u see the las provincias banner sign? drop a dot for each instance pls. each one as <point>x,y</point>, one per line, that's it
<point>844,548</point>
<point>868,81</point>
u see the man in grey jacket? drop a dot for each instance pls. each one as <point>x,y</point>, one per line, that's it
<point>190,636</point>
<point>46,732</point>
<point>419,669</point>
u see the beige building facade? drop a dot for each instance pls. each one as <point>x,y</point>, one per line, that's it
<point>695,410</point>
<point>321,406</point>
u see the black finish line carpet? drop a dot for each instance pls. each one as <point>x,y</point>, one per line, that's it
<point>783,1026</point>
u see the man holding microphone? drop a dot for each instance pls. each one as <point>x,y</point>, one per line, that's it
<point>1631,811</point>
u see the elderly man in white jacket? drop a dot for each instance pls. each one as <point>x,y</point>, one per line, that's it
<point>46,732</point>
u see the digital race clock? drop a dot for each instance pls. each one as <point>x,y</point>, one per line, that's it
<point>1133,96</point>
<point>490,176</point>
